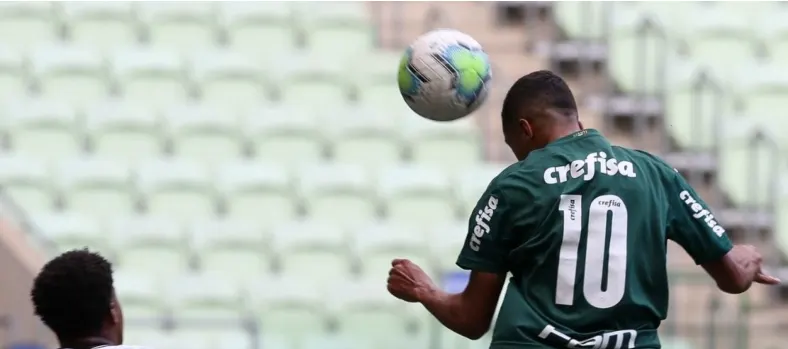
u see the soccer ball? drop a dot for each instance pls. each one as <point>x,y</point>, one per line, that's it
<point>444,75</point>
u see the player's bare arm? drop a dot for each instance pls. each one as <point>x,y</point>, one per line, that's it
<point>738,269</point>
<point>468,313</point>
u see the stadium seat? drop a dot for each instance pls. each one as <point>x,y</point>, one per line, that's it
<point>71,231</point>
<point>105,26</point>
<point>231,251</point>
<point>470,184</point>
<point>365,138</point>
<point>337,29</point>
<point>451,146</point>
<point>149,246</point>
<point>70,74</point>
<point>246,22</point>
<point>289,309</point>
<point>33,18</point>
<point>26,181</point>
<point>337,194</point>
<point>318,80</point>
<point>763,88</point>
<point>13,75</point>
<point>44,129</point>
<point>177,189</point>
<point>721,40</point>
<point>377,245</point>
<point>773,33</point>
<point>200,297</point>
<point>203,135</point>
<point>96,187</point>
<point>416,195</point>
<point>149,77</point>
<point>184,27</point>
<point>373,77</point>
<point>744,163</point>
<point>124,132</point>
<point>140,296</point>
<point>285,139</point>
<point>370,318</point>
<point>636,34</point>
<point>230,82</point>
<point>446,241</point>
<point>256,192</point>
<point>694,105</point>
<point>312,253</point>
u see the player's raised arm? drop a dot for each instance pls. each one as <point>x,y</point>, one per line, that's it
<point>470,312</point>
<point>694,227</point>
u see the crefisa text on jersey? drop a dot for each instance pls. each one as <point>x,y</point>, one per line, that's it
<point>587,169</point>
<point>483,218</point>
<point>699,212</point>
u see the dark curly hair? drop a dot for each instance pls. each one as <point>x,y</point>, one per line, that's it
<point>73,293</point>
<point>537,91</point>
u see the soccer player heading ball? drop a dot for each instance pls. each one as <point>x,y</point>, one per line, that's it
<point>75,297</point>
<point>582,226</point>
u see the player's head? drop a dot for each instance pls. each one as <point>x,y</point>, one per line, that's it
<point>538,109</point>
<point>75,297</point>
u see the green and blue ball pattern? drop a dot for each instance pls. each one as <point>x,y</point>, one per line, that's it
<point>446,80</point>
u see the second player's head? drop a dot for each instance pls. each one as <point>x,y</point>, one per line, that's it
<point>75,297</point>
<point>538,109</point>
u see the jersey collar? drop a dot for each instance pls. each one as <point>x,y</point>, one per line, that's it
<point>589,132</point>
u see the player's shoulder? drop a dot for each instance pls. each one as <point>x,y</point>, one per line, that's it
<point>643,157</point>
<point>520,174</point>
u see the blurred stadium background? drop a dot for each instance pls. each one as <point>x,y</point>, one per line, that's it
<point>251,169</point>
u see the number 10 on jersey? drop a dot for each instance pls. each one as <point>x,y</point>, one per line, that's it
<point>598,291</point>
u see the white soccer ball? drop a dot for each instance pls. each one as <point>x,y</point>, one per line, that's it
<point>444,75</point>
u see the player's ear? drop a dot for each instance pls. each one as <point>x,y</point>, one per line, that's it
<point>525,126</point>
<point>580,123</point>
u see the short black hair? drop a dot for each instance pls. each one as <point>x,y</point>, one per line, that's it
<point>538,91</point>
<point>73,293</point>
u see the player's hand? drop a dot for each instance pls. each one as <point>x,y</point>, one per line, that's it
<point>755,257</point>
<point>407,281</point>
<point>766,279</point>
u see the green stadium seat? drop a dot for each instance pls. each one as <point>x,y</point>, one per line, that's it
<point>105,26</point>
<point>288,310</point>
<point>581,19</point>
<point>470,184</point>
<point>13,76</point>
<point>764,89</point>
<point>721,40</point>
<point>285,139</point>
<point>184,27</point>
<point>246,22</point>
<point>369,317</point>
<point>628,40</point>
<point>198,297</point>
<point>140,295</point>
<point>71,231</point>
<point>26,181</point>
<point>446,241</point>
<point>96,187</point>
<point>177,189</point>
<point>374,78</point>
<point>202,135</point>
<point>44,129</point>
<point>365,138</point>
<point>70,74</point>
<point>149,246</point>
<point>312,253</point>
<point>319,79</point>
<point>451,146</point>
<point>337,194</point>
<point>33,18</point>
<point>416,195</point>
<point>224,245</point>
<point>742,164</point>
<point>124,132</point>
<point>230,81</point>
<point>184,336</point>
<point>149,77</point>
<point>377,245</point>
<point>772,30</point>
<point>337,28</point>
<point>256,192</point>
<point>694,108</point>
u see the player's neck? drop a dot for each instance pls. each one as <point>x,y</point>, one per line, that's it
<point>561,131</point>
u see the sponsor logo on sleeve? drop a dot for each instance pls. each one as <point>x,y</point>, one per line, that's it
<point>482,226</point>
<point>701,213</point>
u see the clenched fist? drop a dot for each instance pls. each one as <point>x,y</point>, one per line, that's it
<point>407,281</point>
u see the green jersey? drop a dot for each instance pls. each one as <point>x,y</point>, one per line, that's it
<point>582,226</point>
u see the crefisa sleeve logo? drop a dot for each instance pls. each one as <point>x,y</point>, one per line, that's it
<point>483,217</point>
